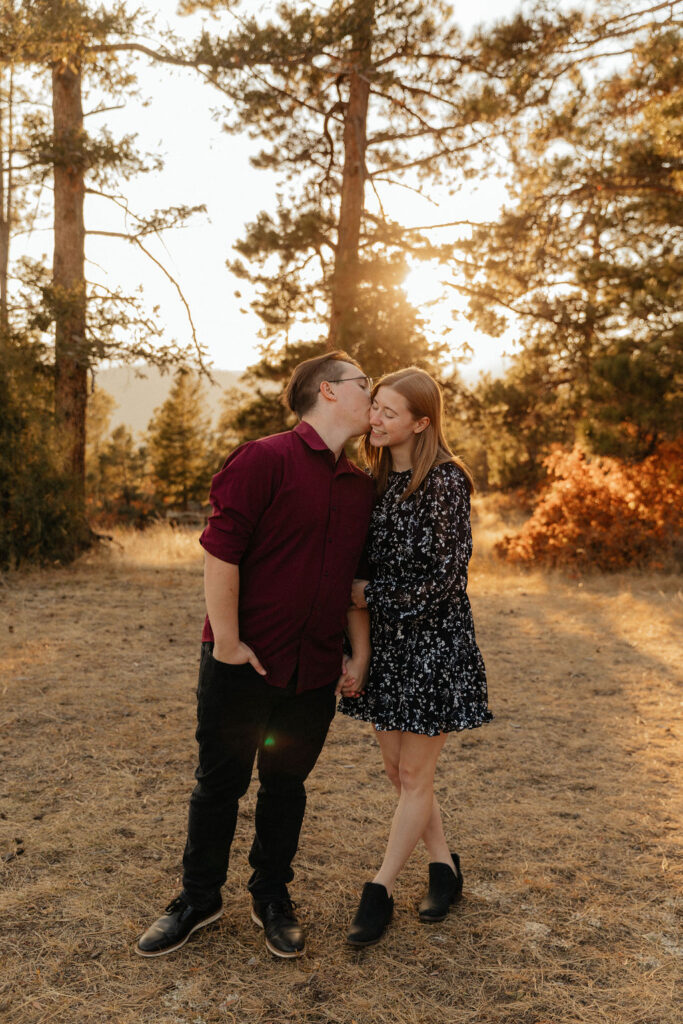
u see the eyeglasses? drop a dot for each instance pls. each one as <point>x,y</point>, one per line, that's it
<point>342,380</point>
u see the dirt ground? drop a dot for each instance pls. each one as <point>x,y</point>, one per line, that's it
<point>565,812</point>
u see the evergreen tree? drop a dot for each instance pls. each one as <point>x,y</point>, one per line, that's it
<point>347,97</point>
<point>514,419</point>
<point>231,428</point>
<point>180,443</point>
<point>126,494</point>
<point>35,504</point>
<point>77,46</point>
<point>357,94</point>
<point>340,95</point>
<point>588,255</point>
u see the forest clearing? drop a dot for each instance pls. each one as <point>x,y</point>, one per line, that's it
<point>564,810</point>
<point>491,193</point>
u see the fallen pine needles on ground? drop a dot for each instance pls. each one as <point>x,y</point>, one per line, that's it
<point>563,809</point>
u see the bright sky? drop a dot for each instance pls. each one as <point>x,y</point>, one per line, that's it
<point>173,118</point>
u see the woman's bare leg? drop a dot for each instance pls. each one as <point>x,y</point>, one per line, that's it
<point>433,836</point>
<point>417,760</point>
<point>435,840</point>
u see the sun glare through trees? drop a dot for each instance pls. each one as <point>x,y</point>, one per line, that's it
<point>498,202</point>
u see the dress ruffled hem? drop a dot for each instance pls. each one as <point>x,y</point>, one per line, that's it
<point>386,723</point>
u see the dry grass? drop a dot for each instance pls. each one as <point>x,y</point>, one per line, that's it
<point>564,810</point>
<point>158,545</point>
<point>494,516</point>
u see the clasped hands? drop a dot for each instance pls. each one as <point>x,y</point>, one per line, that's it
<point>352,681</point>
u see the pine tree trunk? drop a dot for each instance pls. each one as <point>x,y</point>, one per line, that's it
<point>71,362</point>
<point>4,253</point>
<point>345,278</point>
<point>5,206</point>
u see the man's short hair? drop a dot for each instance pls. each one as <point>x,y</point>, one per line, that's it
<point>303,389</point>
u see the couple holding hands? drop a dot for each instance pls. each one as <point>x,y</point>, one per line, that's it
<point>306,556</point>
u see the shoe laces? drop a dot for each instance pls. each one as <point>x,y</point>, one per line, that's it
<point>283,906</point>
<point>179,903</point>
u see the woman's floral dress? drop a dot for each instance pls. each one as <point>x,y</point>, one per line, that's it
<point>426,674</point>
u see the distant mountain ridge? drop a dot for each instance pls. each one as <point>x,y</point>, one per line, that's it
<point>139,390</point>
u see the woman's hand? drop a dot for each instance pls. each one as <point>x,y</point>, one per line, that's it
<point>354,675</point>
<point>358,593</point>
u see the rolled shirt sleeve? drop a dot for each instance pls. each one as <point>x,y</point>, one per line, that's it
<point>240,493</point>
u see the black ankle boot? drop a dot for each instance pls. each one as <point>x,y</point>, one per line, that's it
<point>445,888</point>
<point>373,915</point>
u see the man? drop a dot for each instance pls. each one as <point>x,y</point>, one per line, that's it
<point>290,515</point>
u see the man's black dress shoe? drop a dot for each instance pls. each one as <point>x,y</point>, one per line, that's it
<point>374,913</point>
<point>284,934</point>
<point>175,927</point>
<point>445,888</point>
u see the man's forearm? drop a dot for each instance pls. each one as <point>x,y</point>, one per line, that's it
<point>222,592</point>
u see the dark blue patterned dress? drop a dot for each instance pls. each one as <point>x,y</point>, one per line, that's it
<point>426,674</point>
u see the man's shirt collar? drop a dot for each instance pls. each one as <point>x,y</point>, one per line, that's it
<point>312,438</point>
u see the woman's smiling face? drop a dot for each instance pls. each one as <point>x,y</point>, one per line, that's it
<point>391,422</point>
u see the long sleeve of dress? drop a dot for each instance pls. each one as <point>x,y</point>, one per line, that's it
<point>432,544</point>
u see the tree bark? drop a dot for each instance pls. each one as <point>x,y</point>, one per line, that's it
<point>6,144</point>
<point>71,357</point>
<point>345,277</point>
<point>4,248</point>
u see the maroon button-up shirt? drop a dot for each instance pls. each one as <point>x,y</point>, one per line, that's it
<point>295,522</point>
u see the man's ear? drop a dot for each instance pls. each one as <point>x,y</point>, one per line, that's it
<point>327,392</point>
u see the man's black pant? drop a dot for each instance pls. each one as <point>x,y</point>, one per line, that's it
<point>239,715</point>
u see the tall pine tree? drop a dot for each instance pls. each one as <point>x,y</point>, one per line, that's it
<point>349,98</point>
<point>588,254</point>
<point>76,45</point>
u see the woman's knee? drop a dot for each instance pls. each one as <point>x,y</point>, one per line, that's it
<point>414,778</point>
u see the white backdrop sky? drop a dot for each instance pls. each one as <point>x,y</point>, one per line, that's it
<point>173,118</point>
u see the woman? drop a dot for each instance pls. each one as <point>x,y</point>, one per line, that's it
<point>426,676</point>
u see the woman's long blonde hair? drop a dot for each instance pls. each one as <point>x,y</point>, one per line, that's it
<point>423,395</point>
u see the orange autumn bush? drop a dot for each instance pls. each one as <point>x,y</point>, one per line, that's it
<point>602,513</point>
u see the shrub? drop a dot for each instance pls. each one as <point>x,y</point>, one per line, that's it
<point>603,513</point>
